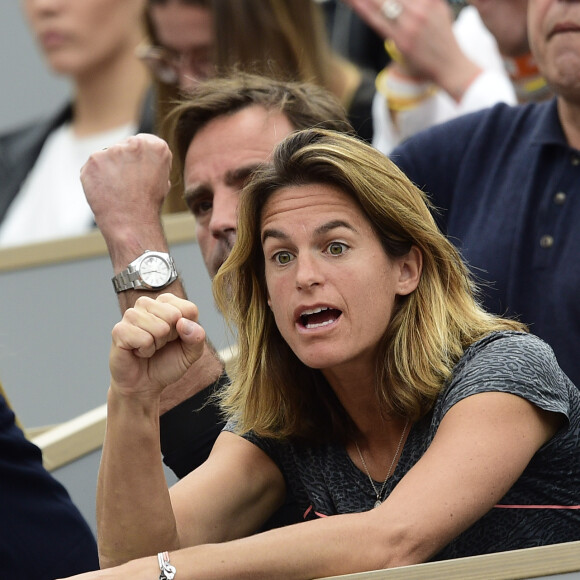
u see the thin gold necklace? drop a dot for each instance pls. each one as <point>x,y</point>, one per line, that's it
<point>379,493</point>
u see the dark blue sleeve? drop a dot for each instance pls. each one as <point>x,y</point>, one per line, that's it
<point>437,160</point>
<point>42,534</point>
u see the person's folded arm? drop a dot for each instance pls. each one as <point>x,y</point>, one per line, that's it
<point>481,448</point>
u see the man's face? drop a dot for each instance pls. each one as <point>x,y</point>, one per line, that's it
<point>507,21</point>
<point>219,160</point>
<point>554,29</point>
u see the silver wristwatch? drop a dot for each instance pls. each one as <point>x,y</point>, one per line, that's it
<point>150,271</point>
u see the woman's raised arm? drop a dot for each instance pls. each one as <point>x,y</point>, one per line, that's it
<point>153,346</point>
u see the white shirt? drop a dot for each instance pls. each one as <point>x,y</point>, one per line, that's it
<point>51,202</point>
<point>491,86</point>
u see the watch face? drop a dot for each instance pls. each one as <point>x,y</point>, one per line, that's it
<point>155,271</point>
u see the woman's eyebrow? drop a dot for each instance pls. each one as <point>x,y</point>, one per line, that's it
<point>334,224</point>
<point>273,233</point>
<point>320,230</point>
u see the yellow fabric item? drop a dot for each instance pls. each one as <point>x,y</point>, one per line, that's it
<point>401,93</point>
<point>393,51</point>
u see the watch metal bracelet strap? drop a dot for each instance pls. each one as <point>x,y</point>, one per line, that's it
<point>125,280</point>
<point>167,571</point>
<point>142,273</point>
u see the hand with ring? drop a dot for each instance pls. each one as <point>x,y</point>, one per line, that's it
<point>422,33</point>
<point>391,9</point>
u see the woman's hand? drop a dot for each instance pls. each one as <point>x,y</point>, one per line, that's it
<point>154,344</point>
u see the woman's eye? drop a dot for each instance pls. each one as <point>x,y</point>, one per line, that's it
<point>283,258</point>
<point>336,248</point>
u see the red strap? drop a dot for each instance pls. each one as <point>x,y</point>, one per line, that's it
<point>315,513</point>
<point>539,507</point>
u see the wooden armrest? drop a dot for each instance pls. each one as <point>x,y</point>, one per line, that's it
<point>180,227</point>
<point>73,439</point>
<point>526,563</point>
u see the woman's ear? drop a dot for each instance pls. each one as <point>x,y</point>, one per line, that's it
<point>410,266</point>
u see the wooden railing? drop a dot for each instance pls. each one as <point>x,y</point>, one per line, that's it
<point>179,227</point>
<point>516,564</point>
<point>71,440</point>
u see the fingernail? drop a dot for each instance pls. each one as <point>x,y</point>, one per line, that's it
<point>188,326</point>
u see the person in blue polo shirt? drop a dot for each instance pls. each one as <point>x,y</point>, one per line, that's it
<point>507,184</point>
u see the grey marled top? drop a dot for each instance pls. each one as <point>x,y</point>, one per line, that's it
<point>324,481</point>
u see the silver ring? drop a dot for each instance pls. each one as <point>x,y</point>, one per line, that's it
<point>391,9</point>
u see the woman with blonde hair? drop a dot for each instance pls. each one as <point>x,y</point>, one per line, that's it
<point>370,387</point>
<point>429,329</point>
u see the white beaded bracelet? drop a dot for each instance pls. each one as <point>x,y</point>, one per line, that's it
<point>167,570</point>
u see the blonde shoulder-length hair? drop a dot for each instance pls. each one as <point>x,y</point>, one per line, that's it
<point>273,393</point>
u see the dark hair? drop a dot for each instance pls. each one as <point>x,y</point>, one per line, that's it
<point>288,40</point>
<point>192,2</point>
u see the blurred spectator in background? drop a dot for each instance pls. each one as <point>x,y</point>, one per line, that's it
<point>505,181</point>
<point>507,21</point>
<point>93,44</point>
<point>287,39</point>
<point>283,39</point>
<point>444,67</point>
<point>180,48</point>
